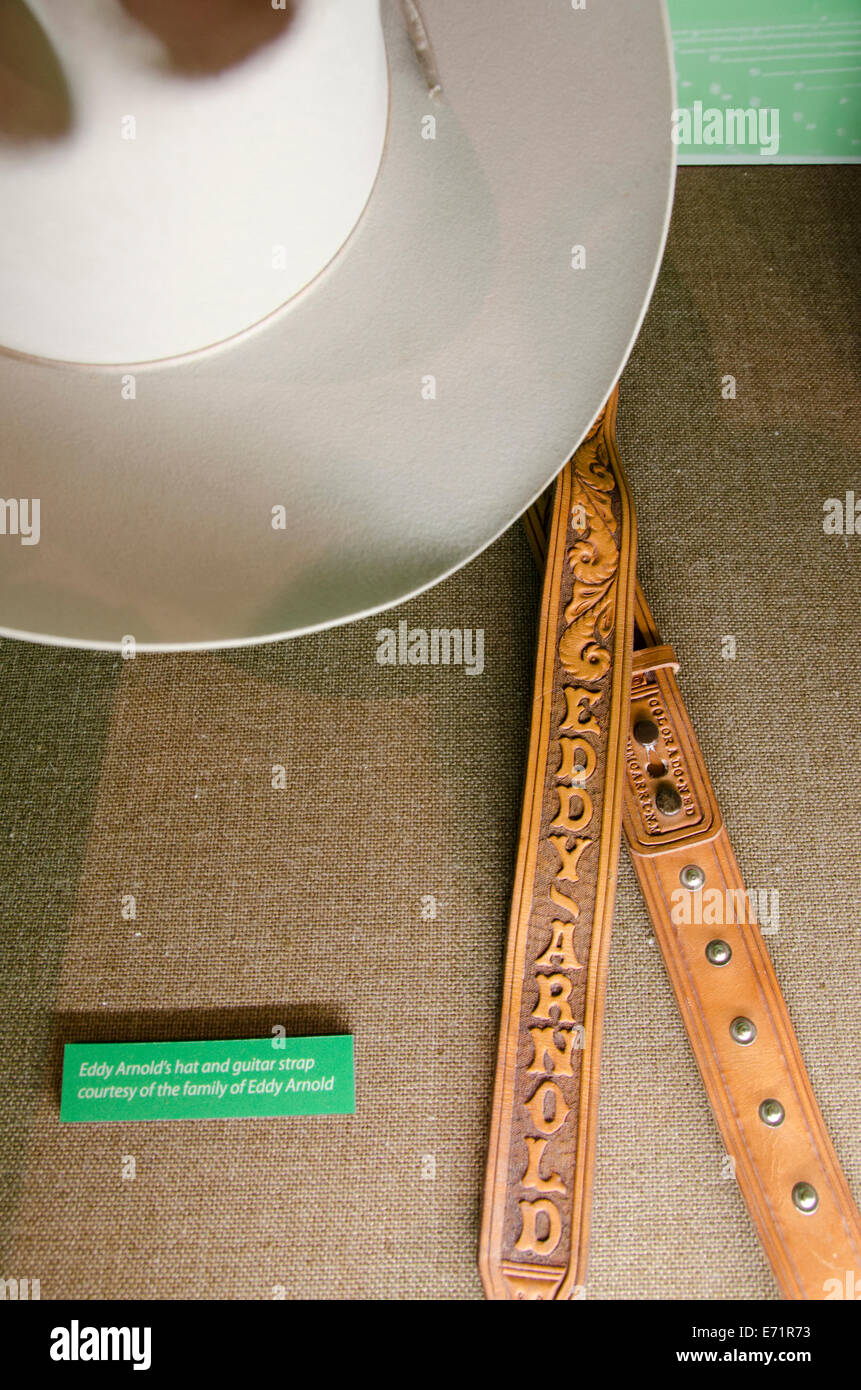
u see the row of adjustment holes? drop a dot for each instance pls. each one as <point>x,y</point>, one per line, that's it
<point>743,1031</point>
<point>667,799</point>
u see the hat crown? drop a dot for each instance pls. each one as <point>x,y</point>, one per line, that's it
<point>189,167</point>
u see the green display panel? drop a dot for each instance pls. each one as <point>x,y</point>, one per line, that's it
<point>800,59</point>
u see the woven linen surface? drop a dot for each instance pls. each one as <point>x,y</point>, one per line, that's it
<point>371,895</point>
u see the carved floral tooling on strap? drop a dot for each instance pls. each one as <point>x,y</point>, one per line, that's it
<point>595,562</point>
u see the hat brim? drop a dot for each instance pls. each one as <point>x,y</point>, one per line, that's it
<point>408,406</point>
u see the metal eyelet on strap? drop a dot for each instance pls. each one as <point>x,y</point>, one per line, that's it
<point>805,1197</point>
<point>772,1113</point>
<point>693,877</point>
<point>742,1031</point>
<point>718,952</point>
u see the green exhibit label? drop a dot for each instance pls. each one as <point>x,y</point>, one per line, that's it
<point>207,1080</point>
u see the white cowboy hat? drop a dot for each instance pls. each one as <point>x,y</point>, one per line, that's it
<point>287,336</point>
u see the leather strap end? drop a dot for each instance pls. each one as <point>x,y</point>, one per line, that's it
<point>728,996</point>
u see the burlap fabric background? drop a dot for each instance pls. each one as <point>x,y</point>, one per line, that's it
<point>304,907</point>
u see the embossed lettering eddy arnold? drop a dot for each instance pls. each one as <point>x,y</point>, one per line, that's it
<point>536,1206</point>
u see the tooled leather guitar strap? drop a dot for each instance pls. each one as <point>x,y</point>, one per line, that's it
<point>594,712</point>
<point>538,1195</point>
